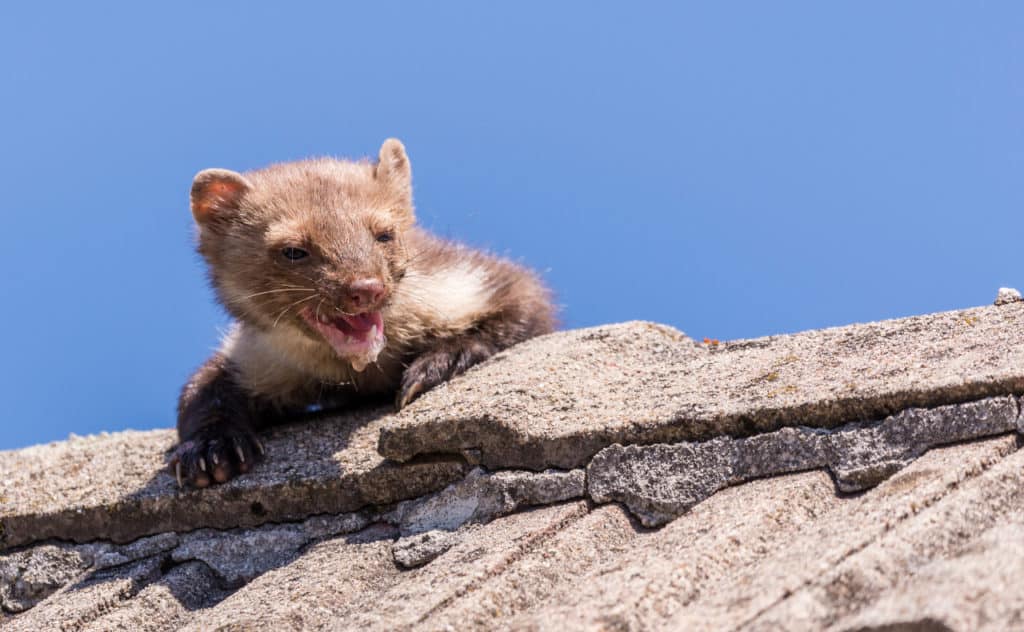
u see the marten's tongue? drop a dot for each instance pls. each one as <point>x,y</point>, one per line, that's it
<point>361,323</point>
<point>358,339</point>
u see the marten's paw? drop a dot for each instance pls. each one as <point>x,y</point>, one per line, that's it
<point>438,365</point>
<point>215,454</point>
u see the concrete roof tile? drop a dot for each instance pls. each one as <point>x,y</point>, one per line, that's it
<point>116,487</point>
<point>703,439</point>
<point>556,401</point>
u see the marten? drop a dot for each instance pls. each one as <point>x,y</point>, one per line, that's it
<point>337,296</point>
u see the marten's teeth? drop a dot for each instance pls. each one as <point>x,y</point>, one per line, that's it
<point>373,332</point>
<point>358,364</point>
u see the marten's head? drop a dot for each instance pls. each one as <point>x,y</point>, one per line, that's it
<point>315,245</point>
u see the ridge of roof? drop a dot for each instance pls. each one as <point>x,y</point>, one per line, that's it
<point>553,402</point>
<point>573,445</point>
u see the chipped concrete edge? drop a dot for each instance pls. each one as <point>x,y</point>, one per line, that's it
<point>286,501</point>
<point>659,482</point>
<point>489,442</point>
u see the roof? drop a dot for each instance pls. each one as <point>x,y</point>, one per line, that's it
<point>618,477</point>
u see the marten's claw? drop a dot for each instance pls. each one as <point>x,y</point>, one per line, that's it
<point>406,395</point>
<point>438,365</point>
<point>187,465</point>
<point>215,455</point>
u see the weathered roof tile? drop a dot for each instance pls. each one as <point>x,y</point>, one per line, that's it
<point>555,401</point>
<point>116,486</point>
<point>316,535</point>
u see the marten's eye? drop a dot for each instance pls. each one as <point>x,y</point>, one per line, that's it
<point>294,254</point>
<point>385,237</point>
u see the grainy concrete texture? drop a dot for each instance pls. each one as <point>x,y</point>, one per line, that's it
<point>557,400</point>
<point>617,478</point>
<point>660,482</point>
<point>116,487</point>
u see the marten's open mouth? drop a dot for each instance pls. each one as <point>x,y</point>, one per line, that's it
<point>359,338</point>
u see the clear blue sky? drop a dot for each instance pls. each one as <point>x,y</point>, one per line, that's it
<point>734,169</point>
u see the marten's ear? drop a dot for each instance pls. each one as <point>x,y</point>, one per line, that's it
<point>216,191</point>
<point>393,166</point>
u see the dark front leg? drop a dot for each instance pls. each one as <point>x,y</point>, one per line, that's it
<point>216,427</point>
<point>449,357</point>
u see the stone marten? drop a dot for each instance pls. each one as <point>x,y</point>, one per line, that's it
<point>337,296</point>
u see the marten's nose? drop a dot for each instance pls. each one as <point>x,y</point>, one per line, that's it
<point>365,293</point>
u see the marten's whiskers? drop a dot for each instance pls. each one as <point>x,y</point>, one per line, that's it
<point>285,289</point>
<point>285,310</point>
<point>318,306</point>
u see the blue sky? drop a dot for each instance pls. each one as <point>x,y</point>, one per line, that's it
<point>734,169</point>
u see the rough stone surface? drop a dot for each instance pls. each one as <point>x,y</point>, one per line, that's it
<point>108,556</point>
<point>1008,295</point>
<point>239,556</point>
<point>637,579</point>
<point>164,604</point>
<point>416,550</point>
<point>659,482</point>
<point>976,589</point>
<point>911,555</point>
<point>77,605</point>
<point>485,554</point>
<point>751,547</point>
<point>483,496</point>
<point>231,553</point>
<point>372,593</point>
<point>791,575</point>
<point>316,590</point>
<point>28,577</point>
<point>538,576</point>
<point>115,487</point>
<point>557,400</point>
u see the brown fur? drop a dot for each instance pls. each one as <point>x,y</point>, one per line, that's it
<point>445,307</point>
